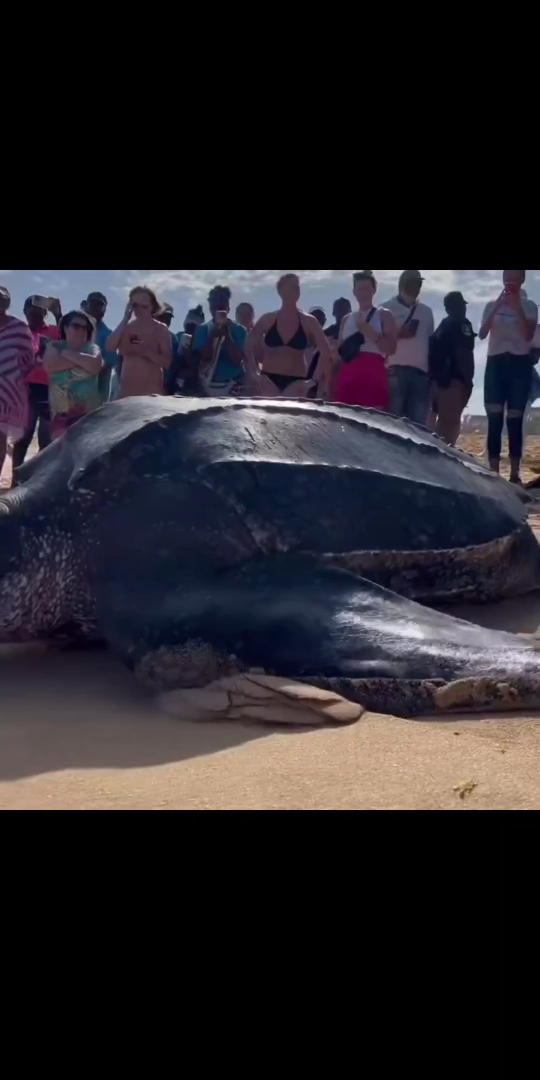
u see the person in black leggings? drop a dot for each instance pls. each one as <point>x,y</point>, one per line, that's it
<point>510,323</point>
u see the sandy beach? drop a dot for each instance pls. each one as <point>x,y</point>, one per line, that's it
<point>77,733</point>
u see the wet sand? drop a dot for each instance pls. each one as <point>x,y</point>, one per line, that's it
<point>77,733</point>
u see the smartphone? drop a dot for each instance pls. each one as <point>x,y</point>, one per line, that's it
<point>41,301</point>
<point>221,318</point>
<point>185,341</point>
<point>512,288</point>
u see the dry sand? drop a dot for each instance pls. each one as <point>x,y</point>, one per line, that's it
<point>76,733</point>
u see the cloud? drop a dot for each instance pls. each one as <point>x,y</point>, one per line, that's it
<point>480,286</point>
<point>171,281</point>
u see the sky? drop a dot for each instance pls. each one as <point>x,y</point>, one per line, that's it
<point>183,288</point>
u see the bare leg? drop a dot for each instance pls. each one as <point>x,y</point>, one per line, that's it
<point>452,401</point>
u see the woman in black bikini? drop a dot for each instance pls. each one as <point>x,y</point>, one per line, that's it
<point>285,337</point>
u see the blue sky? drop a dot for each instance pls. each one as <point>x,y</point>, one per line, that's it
<point>185,287</point>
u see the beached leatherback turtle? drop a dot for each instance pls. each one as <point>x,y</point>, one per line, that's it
<point>235,543</point>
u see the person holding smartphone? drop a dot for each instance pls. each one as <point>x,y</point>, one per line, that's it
<point>366,339</point>
<point>408,377</point>
<point>144,345</point>
<point>510,325</point>
<point>219,349</point>
<point>181,378</point>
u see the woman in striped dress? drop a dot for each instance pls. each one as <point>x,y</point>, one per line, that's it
<point>16,359</point>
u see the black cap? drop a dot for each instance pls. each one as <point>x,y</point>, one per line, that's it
<point>98,296</point>
<point>411,275</point>
<point>453,297</point>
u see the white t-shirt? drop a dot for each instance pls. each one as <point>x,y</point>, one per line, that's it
<point>506,335</point>
<point>349,327</point>
<point>412,352</point>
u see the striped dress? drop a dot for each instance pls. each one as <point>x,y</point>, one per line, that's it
<point>16,359</point>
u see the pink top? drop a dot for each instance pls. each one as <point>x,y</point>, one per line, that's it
<point>140,375</point>
<point>37,373</point>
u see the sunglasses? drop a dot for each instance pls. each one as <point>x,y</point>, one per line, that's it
<point>144,307</point>
<point>78,326</point>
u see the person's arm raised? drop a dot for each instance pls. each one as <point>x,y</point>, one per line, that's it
<point>204,341</point>
<point>489,316</point>
<point>236,351</point>
<point>527,326</point>
<point>114,339</point>
<point>55,308</point>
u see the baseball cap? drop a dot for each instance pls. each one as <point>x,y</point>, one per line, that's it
<point>4,293</point>
<point>98,296</point>
<point>411,275</point>
<point>452,297</point>
<point>167,307</point>
<point>317,308</point>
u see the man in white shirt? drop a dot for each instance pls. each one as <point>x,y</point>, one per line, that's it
<point>510,323</point>
<point>408,371</point>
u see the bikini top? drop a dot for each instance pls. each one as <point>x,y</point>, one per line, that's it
<point>299,341</point>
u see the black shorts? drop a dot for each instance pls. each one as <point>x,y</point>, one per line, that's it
<point>38,399</point>
<point>508,381</point>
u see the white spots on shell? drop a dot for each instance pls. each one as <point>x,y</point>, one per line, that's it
<point>46,587</point>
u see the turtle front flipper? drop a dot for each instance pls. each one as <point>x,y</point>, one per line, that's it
<point>299,621</point>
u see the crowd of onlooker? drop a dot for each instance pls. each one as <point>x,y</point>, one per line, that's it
<point>55,367</point>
